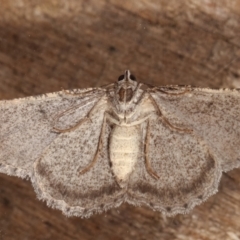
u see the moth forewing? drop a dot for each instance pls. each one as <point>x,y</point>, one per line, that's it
<point>90,150</point>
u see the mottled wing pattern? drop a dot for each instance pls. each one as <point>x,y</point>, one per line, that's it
<point>26,126</point>
<point>214,115</point>
<point>189,165</point>
<point>188,171</point>
<point>57,177</point>
<point>52,138</point>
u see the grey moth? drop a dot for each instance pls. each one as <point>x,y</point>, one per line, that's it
<point>89,150</point>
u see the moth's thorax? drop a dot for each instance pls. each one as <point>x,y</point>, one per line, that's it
<point>125,90</point>
<point>124,151</point>
<point>125,95</point>
<point>125,99</point>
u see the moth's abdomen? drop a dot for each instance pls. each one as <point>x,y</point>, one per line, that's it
<point>124,151</point>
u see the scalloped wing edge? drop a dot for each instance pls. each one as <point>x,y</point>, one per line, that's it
<point>14,171</point>
<point>78,211</point>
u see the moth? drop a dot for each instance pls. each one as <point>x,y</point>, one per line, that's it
<point>89,150</point>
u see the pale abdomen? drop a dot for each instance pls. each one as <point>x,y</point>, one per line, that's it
<point>124,151</point>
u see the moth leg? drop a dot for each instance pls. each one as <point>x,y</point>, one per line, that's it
<point>87,117</point>
<point>91,164</point>
<point>147,161</point>
<point>159,113</point>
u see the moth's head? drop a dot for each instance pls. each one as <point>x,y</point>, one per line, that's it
<point>125,86</point>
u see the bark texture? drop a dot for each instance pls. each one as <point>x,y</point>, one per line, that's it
<point>49,45</point>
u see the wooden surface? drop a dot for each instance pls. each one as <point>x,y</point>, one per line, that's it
<point>49,45</point>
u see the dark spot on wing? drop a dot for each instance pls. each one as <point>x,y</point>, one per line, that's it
<point>67,209</point>
<point>42,111</point>
<point>41,169</point>
<point>85,211</point>
<point>168,209</point>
